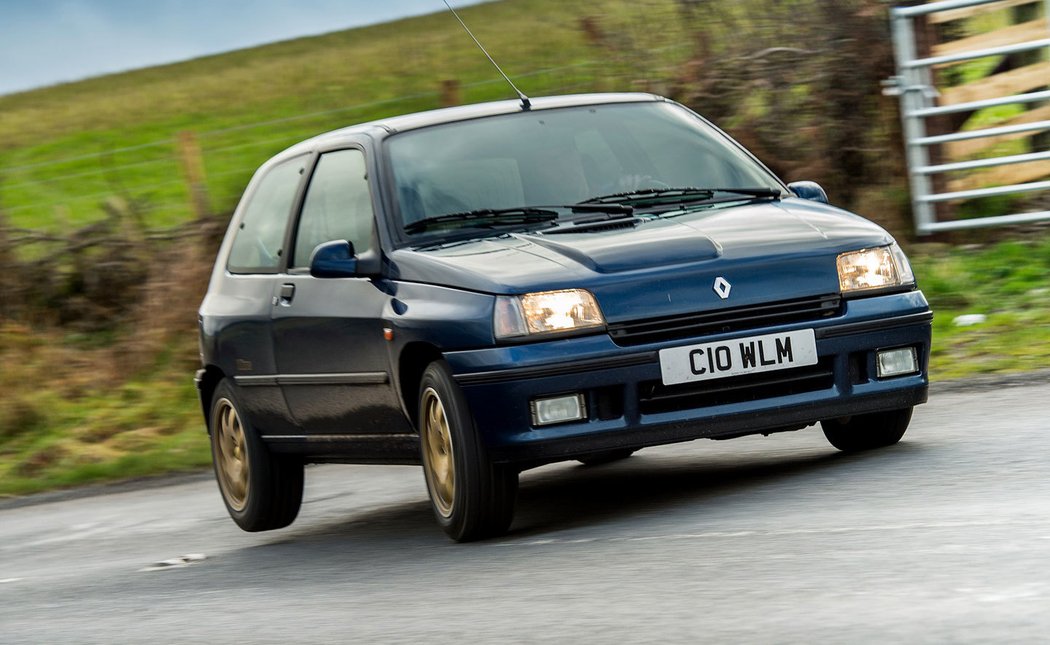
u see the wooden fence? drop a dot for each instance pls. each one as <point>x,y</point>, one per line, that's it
<point>90,277</point>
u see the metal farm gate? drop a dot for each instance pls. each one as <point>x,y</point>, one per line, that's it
<point>943,84</point>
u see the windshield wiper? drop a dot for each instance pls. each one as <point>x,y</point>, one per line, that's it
<point>758,191</point>
<point>486,217</point>
<point>595,207</point>
<point>677,195</point>
<point>650,194</point>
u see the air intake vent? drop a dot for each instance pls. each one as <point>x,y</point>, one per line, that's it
<point>723,321</point>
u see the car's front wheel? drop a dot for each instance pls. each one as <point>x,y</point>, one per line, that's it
<point>262,491</point>
<point>472,497</point>
<point>867,431</point>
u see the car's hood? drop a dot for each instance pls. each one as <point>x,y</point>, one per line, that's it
<point>781,249</point>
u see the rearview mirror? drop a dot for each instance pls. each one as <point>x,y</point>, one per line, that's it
<point>810,190</point>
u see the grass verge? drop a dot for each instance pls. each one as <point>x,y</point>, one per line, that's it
<point>1009,284</point>
<point>68,418</point>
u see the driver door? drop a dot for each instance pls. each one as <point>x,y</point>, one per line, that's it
<point>328,332</point>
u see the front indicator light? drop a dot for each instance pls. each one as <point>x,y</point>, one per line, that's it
<point>558,409</point>
<point>871,269</point>
<point>897,362</point>
<point>546,312</point>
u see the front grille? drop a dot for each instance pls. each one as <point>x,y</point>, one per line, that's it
<point>722,321</point>
<point>654,397</point>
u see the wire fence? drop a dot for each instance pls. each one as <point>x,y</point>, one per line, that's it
<point>61,193</point>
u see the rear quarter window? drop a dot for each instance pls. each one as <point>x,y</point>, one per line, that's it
<point>257,247</point>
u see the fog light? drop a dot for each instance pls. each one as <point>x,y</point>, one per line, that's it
<point>897,362</point>
<point>558,409</point>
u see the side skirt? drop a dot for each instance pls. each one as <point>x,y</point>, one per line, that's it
<point>349,449</point>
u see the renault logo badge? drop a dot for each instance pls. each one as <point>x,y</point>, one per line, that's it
<point>722,287</point>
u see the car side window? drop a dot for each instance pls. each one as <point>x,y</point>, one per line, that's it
<point>338,205</point>
<point>260,236</point>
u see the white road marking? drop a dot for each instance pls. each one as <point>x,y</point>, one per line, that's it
<point>176,563</point>
<point>7,580</point>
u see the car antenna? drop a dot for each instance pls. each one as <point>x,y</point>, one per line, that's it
<point>526,104</point>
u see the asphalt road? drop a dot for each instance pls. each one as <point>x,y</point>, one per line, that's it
<point>943,538</point>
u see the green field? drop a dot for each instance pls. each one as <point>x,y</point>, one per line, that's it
<point>64,149</point>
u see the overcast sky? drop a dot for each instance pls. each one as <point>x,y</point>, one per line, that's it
<point>44,42</point>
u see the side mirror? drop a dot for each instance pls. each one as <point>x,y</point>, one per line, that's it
<point>334,259</point>
<point>810,190</point>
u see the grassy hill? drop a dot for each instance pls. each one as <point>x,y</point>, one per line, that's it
<point>64,149</point>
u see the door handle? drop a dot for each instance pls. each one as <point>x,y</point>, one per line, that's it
<point>287,293</point>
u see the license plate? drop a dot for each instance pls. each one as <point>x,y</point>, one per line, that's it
<point>738,356</point>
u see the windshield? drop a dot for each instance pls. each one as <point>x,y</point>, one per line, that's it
<point>561,157</point>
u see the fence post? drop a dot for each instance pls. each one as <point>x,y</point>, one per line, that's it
<point>450,93</point>
<point>192,163</point>
<point>7,280</point>
<point>927,36</point>
<point>906,49</point>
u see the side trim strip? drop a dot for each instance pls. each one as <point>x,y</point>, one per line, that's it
<point>874,325</point>
<point>557,369</point>
<point>338,438</point>
<point>249,381</point>
<point>351,378</point>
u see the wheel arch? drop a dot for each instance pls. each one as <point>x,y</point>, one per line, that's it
<point>411,364</point>
<point>210,378</point>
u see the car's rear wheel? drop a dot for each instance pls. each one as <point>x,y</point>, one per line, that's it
<point>607,457</point>
<point>262,491</point>
<point>472,497</point>
<point>867,431</point>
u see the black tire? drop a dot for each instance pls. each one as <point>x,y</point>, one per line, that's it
<point>867,431</point>
<point>269,494</point>
<point>475,499</point>
<point>607,457</point>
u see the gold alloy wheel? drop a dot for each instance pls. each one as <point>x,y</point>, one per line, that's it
<point>231,456</point>
<point>438,459</point>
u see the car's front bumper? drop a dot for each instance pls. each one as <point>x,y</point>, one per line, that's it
<point>628,407</point>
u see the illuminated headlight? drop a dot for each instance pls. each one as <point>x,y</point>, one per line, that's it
<point>879,268</point>
<point>546,312</point>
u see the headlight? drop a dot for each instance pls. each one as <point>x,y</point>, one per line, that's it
<point>546,312</point>
<point>880,268</point>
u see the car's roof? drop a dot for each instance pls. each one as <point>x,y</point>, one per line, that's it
<point>461,113</point>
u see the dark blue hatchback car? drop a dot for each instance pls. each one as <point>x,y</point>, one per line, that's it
<point>490,288</point>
